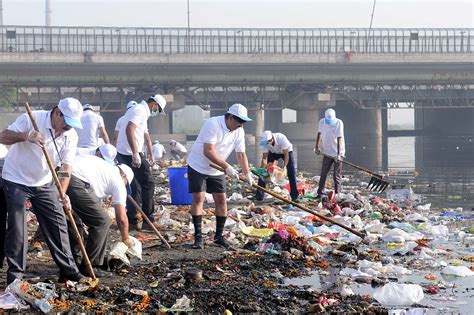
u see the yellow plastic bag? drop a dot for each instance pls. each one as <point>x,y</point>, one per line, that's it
<point>251,231</point>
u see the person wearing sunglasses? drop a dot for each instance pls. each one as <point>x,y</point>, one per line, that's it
<point>26,175</point>
<point>218,137</point>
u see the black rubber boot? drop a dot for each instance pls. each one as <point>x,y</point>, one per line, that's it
<point>198,242</point>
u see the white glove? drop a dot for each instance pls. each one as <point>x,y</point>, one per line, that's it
<point>66,202</point>
<point>136,160</point>
<point>151,160</point>
<point>317,151</point>
<point>129,242</point>
<point>35,137</point>
<point>249,178</point>
<point>232,172</point>
<point>339,158</point>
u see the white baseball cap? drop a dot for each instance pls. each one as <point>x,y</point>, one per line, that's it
<point>131,104</point>
<point>129,174</point>
<point>266,135</point>
<point>108,152</point>
<point>239,111</point>
<point>87,106</point>
<point>160,100</point>
<point>72,110</point>
<point>330,117</point>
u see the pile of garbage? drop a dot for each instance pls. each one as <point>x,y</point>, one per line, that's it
<point>285,259</point>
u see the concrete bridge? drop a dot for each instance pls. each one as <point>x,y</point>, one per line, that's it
<point>360,71</point>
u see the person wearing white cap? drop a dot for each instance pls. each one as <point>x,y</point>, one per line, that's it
<point>276,146</point>
<point>178,151</point>
<point>106,151</point>
<point>158,150</point>
<point>92,179</point>
<point>93,124</point>
<point>330,142</point>
<point>218,137</point>
<point>131,138</point>
<point>26,175</point>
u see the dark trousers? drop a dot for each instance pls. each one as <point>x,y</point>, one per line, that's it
<point>291,172</point>
<point>3,221</point>
<point>87,208</point>
<point>143,185</point>
<point>337,175</point>
<point>51,219</point>
<point>177,155</point>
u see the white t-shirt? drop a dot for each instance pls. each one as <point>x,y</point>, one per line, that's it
<point>138,115</point>
<point>180,148</point>
<point>329,135</point>
<point>119,123</point>
<point>3,151</point>
<point>86,151</point>
<point>281,143</point>
<point>215,131</point>
<point>103,177</point>
<point>158,151</point>
<point>25,163</point>
<point>88,135</point>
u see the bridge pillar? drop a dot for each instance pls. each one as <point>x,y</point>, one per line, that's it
<point>363,134</point>
<point>448,136</point>
<point>308,112</point>
<point>256,126</point>
<point>273,116</point>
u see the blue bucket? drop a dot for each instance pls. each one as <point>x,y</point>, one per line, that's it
<point>179,186</point>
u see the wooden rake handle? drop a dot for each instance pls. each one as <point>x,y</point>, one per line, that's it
<point>302,207</point>
<point>148,221</point>
<point>355,166</point>
<point>85,257</point>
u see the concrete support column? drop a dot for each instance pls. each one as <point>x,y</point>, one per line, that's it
<point>273,116</point>
<point>363,134</point>
<point>257,116</point>
<point>308,107</point>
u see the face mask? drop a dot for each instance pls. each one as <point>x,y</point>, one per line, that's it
<point>154,114</point>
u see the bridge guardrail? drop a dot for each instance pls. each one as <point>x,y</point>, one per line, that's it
<point>116,40</point>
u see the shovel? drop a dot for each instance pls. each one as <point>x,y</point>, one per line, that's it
<point>298,205</point>
<point>376,184</point>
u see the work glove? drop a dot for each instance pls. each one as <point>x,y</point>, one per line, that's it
<point>35,137</point>
<point>151,160</point>
<point>232,172</point>
<point>129,242</point>
<point>339,158</point>
<point>136,160</point>
<point>249,178</point>
<point>66,202</point>
<point>317,151</point>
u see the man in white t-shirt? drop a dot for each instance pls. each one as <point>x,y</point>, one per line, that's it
<point>218,137</point>
<point>178,151</point>
<point>276,146</point>
<point>93,124</point>
<point>158,150</point>
<point>131,138</point>
<point>93,179</point>
<point>26,175</point>
<point>330,142</point>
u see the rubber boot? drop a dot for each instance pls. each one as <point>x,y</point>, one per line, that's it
<point>198,242</point>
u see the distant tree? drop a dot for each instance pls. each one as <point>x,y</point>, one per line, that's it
<point>7,96</point>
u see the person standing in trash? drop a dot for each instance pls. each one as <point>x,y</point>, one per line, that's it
<point>93,124</point>
<point>130,142</point>
<point>276,146</point>
<point>330,142</point>
<point>218,137</point>
<point>158,150</point>
<point>178,151</point>
<point>94,178</point>
<point>150,156</point>
<point>26,176</point>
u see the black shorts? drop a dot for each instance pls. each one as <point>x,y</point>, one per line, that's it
<point>200,182</point>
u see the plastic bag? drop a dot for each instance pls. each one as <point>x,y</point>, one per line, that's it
<point>399,294</point>
<point>118,250</point>
<point>136,249</point>
<point>251,231</point>
<point>458,271</point>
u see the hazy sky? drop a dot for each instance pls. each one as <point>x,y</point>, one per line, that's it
<point>243,13</point>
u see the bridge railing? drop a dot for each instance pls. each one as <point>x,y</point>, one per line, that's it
<point>117,40</point>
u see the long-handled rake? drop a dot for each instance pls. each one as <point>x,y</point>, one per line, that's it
<point>376,184</point>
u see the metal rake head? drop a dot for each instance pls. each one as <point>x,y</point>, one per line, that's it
<point>377,184</point>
